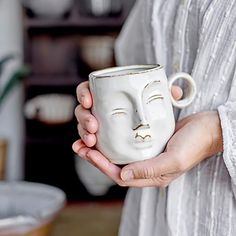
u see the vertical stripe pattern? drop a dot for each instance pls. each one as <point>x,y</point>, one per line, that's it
<point>198,37</point>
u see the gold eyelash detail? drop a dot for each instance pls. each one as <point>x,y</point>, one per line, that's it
<point>117,109</point>
<point>119,112</point>
<point>154,97</point>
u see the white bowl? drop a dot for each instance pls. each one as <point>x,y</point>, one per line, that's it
<point>97,51</point>
<point>25,206</point>
<point>51,108</point>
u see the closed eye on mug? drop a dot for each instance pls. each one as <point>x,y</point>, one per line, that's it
<point>119,111</point>
<point>154,97</point>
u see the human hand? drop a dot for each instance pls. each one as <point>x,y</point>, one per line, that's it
<point>196,138</point>
<point>87,124</point>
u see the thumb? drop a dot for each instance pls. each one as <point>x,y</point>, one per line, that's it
<point>176,92</point>
<point>148,169</point>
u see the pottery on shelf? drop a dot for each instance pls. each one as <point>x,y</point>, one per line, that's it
<point>103,7</point>
<point>48,8</point>
<point>97,51</point>
<point>51,109</point>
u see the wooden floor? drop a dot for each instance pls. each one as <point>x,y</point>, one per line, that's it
<point>88,219</point>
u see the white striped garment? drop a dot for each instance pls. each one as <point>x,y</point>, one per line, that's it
<point>198,37</point>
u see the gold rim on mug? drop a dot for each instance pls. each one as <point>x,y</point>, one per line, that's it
<point>104,73</point>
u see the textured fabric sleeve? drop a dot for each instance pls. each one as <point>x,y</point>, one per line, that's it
<point>227,113</point>
<point>134,44</point>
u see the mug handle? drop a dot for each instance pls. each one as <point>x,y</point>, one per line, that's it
<point>191,92</point>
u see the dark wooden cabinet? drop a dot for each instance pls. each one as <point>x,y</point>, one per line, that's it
<point>60,55</point>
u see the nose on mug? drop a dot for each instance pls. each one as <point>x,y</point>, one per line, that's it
<point>134,109</point>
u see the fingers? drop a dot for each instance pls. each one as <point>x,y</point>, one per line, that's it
<point>80,148</point>
<point>98,160</point>
<point>161,181</point>
<point>176,92</point>
<point>83,95</point>
<point>87,128</point>
<point>159,171</point>
<point>104,165</point>
<point>150,168</point>
<point>89,139</point>
<point>150,172</point>
<point>88,124</point>
<point>86,119</point>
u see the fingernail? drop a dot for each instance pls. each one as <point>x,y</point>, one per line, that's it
<point>74,147</point>
<point>82,99</point>
<point>127,175</point>
<point>85,137</point>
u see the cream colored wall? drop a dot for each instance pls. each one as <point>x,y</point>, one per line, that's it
<point>11,117</point>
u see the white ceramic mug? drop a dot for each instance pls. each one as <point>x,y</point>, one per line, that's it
<point>133,106</point>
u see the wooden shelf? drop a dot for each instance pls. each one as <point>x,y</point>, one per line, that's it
<point>79,22</point>
<point>53,80</point>
<point>76,22</point>
<point>79,19</point>
<point>50,140</point>
<point>53,50</point>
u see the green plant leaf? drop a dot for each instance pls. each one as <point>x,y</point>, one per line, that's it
<point>5,60</point>
<point>12,82</point>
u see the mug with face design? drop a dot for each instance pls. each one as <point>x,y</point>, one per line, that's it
<point>133,106</point>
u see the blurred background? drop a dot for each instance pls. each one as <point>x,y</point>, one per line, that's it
<point>47,47</point>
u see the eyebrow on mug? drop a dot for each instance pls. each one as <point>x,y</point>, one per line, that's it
<point>116,109</point>
<point>151,83</point>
